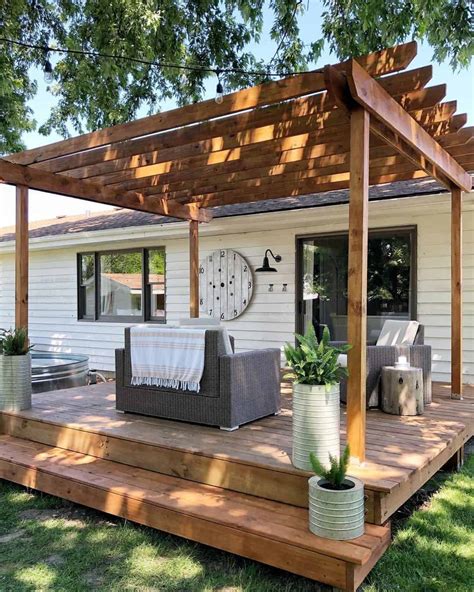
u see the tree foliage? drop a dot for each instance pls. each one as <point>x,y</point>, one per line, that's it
<point>95,92</point>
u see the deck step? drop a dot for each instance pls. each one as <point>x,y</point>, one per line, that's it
<point>197,453</point>
<point>159,446</point>
<point>267,531</point>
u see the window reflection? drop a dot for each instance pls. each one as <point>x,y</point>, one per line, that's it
<point>121,280</point>
<point>324,281</point>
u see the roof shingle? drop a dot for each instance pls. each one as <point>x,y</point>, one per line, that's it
<point>117,219</point>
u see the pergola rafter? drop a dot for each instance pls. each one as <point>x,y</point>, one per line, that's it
<point>361,122</point>
<point>18,174</point>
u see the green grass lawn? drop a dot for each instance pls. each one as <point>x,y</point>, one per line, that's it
<point>434,549</point>
<point>47,544</point>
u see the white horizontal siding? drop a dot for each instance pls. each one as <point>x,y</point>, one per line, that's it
<point>269,321</point>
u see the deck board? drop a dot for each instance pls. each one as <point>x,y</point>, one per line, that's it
<point>401,451</point>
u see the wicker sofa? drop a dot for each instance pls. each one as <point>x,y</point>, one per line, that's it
<point>418,355</point>
<point>235,388</point>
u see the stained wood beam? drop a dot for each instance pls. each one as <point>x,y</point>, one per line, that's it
<point>357,282</point>
<point>21,257</point>
<point>393,139</point>
<point>389,169</point>
<point>17,174</point>
<point>288,179</point>
<point>326,127</point>
<point>150,177</point>
<point>309,187</point>
<point>368,93</point>
<point>326,124</point>
<point>382,158</point>
<point>456,294</point>
<point>194,269</point>
<point>378,63</point>
<point>407,87</point>
<point>250,98</point>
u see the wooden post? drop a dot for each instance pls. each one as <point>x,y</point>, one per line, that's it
<point>21,257</point>
<point>357,282</point>
<point>194,268</point>
<point>456,293</point>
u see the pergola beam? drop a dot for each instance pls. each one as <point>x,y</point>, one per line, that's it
<point>326,130</point>
<point>396,141</point>
<point>149,178</point>
<point>437,162</point>
<point>269,170</point>
<point>378,63</point>
<point>16,174</point>
<point>326,125</point>
<point>224,135</point>
<point>407,87</point>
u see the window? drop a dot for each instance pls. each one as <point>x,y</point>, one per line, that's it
<point>390,281</point>
<point>156,284</point>
<point>87,286</point>
<point>122,285</point>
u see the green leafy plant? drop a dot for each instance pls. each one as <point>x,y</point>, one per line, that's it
<point>313,362</point>
<point>337,471</point>
<point>14,342</point>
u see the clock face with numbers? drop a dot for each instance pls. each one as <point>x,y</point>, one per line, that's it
<point>225,286</point>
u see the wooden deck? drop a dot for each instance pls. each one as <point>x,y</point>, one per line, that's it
<point>236,491</point>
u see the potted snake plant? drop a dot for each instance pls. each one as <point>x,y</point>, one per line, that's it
<point>15,370</point>
<point>336,501</point>
<point>316,374</point>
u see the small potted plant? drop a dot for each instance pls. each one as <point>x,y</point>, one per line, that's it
<point>15,370</point>
<point>336,501</point>
<point>316,374</point>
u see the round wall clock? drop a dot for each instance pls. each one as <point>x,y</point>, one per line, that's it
<point>225,286</point>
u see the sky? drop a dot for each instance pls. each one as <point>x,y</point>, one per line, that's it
<point>44,206</point>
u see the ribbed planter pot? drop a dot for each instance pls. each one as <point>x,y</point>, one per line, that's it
<point>336,514</point>
<point>15,382</point>
<point>316,424</point>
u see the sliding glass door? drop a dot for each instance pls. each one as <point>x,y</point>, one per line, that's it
<point>322,281</point>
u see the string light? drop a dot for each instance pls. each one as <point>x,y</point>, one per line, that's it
<point>46,49</point>
<point>219,89</point>
<point>48,71</point>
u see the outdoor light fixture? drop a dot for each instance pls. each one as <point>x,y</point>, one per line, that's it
<point>219,88</point>
<point>266,264</point>
<point>48,72</point>
<point>219,93</point>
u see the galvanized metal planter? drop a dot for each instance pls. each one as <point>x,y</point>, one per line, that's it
<point>336,514</point>
<point>15,382</point>
<point>316,423</point>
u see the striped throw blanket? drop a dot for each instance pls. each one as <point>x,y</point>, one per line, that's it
<point>167,357</point>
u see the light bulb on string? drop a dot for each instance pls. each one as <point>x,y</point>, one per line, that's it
<point>219,89</point>
<point>219,93</point>
<point>48,72</point>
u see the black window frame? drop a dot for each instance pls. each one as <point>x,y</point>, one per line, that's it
<point>146,316</point>
<point>411,231</point>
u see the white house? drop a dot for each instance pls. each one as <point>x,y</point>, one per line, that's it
<point>92,276</point>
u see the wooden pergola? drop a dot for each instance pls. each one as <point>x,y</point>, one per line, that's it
<point>363,122</point>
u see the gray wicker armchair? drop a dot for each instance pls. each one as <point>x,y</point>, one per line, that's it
<point>418,355</point>
<point>235,388</point>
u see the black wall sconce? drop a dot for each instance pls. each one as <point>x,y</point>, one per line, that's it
<point>266,264</point>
